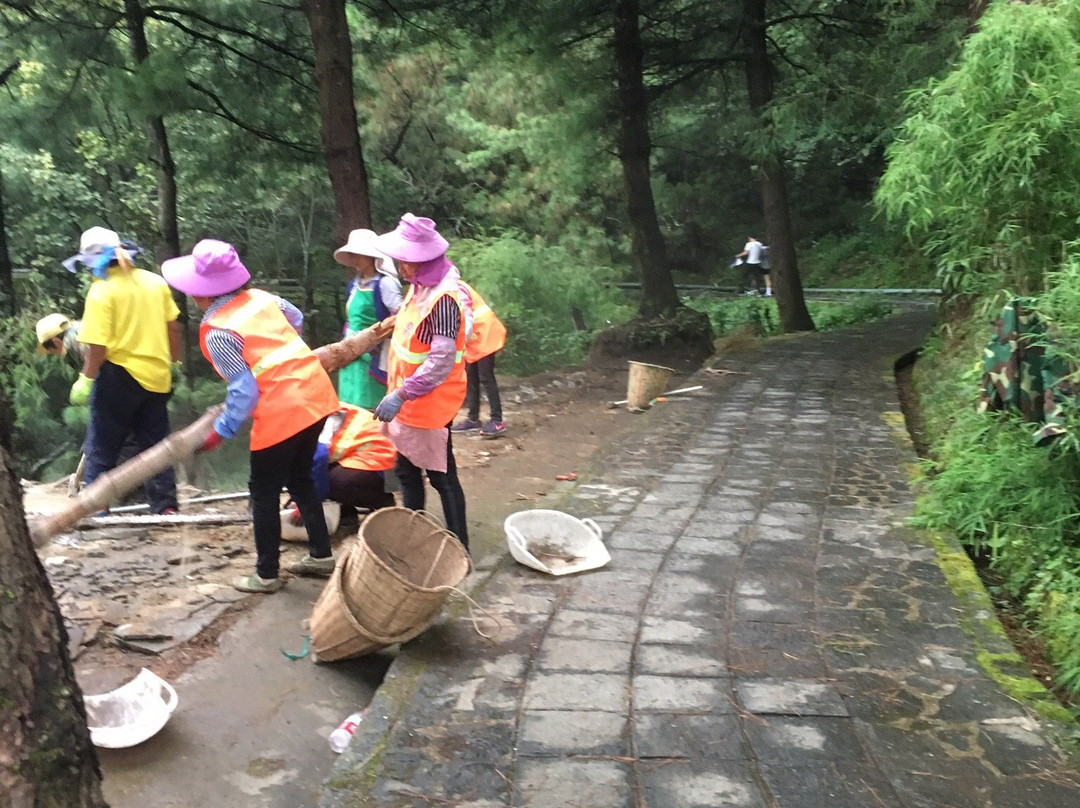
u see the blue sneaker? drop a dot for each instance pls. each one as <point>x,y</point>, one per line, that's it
<point>492,429</point>
<point>467,425</point>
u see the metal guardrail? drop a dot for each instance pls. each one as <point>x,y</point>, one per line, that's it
<point>690,287</point>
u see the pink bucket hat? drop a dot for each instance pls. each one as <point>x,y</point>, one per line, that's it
<point>414,240</point>
<point>212,269</point>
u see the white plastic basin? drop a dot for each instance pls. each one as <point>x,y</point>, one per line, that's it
<point>132,713</point>
<point>555,542</point>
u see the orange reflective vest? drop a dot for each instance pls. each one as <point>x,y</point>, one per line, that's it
<point>359,442</point>
<point>488,333</point>
<point>439,407</point>
<point>294,389</point>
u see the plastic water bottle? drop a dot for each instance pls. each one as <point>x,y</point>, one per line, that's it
<point>341,736</point>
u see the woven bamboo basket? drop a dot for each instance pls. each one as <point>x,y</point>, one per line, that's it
<point>335,634</point>
<point>400,572</point>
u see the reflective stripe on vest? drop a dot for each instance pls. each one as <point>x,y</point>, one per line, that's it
<point>294,389</point>
<point>418,357</point>
<point>359,442</point>
<point>439,407</point>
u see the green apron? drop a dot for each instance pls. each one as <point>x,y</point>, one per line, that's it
<point>355,384</point>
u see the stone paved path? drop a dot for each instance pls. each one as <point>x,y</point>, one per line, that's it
<point>768,634</point>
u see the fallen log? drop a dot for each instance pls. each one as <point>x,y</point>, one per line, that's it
<point>181,445</point>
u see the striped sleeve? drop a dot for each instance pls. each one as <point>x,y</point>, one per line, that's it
<point>443,321</point>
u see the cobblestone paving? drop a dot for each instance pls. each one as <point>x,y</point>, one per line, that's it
<point>769,634</point>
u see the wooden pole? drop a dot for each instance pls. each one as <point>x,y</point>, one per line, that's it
<point>182,444</point>
<point>339,354</point>
<point>112,485</point>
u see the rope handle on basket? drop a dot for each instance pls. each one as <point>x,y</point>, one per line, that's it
<point>472,617</point>
<point>442,547</point>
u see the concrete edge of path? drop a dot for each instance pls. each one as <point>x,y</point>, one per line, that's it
<point>997,656</point>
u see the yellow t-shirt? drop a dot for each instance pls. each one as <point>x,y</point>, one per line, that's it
<point>129,313</point>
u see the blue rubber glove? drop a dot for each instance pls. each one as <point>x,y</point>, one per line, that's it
<point>80,391</point>
<point>388,408</point>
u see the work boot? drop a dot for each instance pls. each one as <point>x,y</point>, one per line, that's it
<point>313,567</point>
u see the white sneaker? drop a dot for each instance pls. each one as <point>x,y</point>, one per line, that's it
<point>768,293</point>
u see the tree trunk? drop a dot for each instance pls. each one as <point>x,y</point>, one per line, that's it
<point>649,251</point>
<point>46,758</point>
<point>168,245</point>
<point>337,114</point>
<point>783,263</point>
<point>7,269</point>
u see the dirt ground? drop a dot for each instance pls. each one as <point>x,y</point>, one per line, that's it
<point>160,597</point>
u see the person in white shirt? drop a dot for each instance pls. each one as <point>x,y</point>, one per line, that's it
<point>754,253</point>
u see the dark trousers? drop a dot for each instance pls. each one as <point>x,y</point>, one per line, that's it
<point>445,482</point>
<point>753,278</point>
<point>287,463</point>
<point>482,372</point>
<point>356,488</point>
<point>120,408</point>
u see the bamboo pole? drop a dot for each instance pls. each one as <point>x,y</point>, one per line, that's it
<point>337,355</point>
<point>112,485</point>
<point>158,520</point>
<point>182,444</point>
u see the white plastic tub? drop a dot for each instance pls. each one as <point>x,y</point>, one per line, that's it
<point>555,542</point>
<point>132,713</point>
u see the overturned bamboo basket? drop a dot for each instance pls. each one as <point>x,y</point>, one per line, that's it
<point>389,585</point>
<point>182,444</point>
<point>335,632</point>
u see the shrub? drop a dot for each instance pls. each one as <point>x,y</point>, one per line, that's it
<point>535,289</point>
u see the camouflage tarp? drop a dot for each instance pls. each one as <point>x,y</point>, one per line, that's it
<point>1019,374</point>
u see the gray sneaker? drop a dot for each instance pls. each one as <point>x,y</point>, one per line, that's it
<point>253,583</point>
<point>314,567</point>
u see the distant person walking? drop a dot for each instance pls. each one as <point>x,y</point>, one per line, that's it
<point>131,339</point>
<point>754,255</point>
<point>426,376</point>
<point>252,338</point>
<point>373,294</point>
<point>486,338</point>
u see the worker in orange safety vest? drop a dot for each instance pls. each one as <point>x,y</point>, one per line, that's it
<point>487,337</point>
<point>426,369</point>
<point>353,463</point>
<point>252,338</point>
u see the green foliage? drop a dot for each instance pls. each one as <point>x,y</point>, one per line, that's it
<point>47,433</point>
<point>869,259</point>
<point>1060,305</point>
<point>759,315</point>
<point>985,173</point>
<point>533,288</point>
<point>1007,500</point>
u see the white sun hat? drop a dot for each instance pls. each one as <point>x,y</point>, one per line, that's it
<point>362,242</point>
